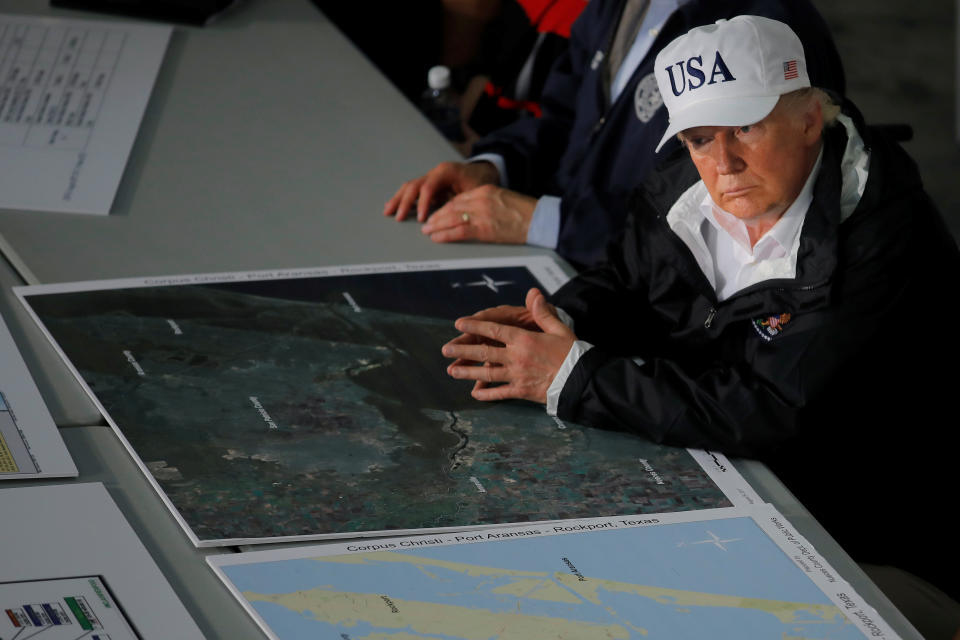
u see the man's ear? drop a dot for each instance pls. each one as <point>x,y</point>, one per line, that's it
<point>813,122</point>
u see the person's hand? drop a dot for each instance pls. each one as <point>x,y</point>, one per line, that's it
<point>445,180</point>
<point>520,362</point>
<point>485,214</point>
<point>507,314</point>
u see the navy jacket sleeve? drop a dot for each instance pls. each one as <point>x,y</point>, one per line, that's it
<point>532,147</point>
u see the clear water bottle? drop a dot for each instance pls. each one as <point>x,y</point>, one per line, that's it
<point>439,104</point>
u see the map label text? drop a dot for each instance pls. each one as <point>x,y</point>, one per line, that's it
<point>263,412</point>
<point>389,603</point>
<point>133,363</point>
<point>353,303</point>
<point>649,469</point>
<point>585,527</point>
<point>573,570</point>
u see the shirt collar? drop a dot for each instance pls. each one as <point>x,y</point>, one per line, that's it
<point>782,235</point>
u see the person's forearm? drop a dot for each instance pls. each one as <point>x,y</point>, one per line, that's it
<point>725,408</point>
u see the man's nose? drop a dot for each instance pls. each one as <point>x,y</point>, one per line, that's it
<point>726,155</point>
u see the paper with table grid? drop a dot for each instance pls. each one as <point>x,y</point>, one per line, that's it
<point>72,94</point>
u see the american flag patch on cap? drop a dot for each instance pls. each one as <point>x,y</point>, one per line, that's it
<point>790,70</point>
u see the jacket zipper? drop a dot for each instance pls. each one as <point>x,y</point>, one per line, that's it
<point>705,286</point>
<point>712,312</point>
<point>710,315</point>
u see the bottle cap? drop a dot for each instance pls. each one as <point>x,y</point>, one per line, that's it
<point>438,77</point>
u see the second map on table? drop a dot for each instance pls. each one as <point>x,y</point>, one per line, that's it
<point>292,407</point>
<point>729,576</point>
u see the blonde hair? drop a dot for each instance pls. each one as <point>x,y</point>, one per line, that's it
<point>798,101</point>
<point>801,98</point>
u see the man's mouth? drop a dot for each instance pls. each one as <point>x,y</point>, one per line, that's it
<point>736,192</point>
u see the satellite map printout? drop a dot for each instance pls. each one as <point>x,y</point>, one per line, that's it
<point>315,403</point>
<point>737,574</point>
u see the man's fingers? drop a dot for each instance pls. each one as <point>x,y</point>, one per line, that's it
<point>447,224</point>
<point>449,215</point>
<point>408,199</point>
<point>486,394</point>
<point>442,179</point>
<point>507,314</point>
<point>544,314</point>
<point>480,372</point>
<point>395,204</point>
<point>492,330</point>
<point>464,338</point>
<point>475,352</point>
<point>459,233</point>
<point>438,184</point>
<point>391,204</point>
<point>427,192</point>
<point>468,338</point>
<point>501,311</point>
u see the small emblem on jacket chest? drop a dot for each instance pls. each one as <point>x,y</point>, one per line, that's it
<point>647,98</point>
<point>770,327</point>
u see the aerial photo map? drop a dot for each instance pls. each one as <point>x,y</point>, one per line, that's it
<point>664,577</point>
<point>315,403</point>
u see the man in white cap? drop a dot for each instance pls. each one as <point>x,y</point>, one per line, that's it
<point>561,180</point>
<point>785,290</point>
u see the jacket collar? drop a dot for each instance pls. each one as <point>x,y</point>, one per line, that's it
<point>673,184</point>
<point>686,215</point>
<point>695,209</point>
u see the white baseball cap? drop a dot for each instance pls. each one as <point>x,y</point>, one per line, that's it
<point>729,74</point>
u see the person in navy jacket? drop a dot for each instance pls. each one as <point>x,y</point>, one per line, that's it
<point>561,180</point>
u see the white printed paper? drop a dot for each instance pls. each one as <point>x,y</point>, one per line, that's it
<point>71,541</point>
<point>30,445</point>
<point>72,94</point>
<point>61,609</point>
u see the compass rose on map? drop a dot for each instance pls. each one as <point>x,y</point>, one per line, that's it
<point>714,539</point>
<point>486,281</point>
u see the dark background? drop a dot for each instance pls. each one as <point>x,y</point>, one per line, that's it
<point>900,60</point>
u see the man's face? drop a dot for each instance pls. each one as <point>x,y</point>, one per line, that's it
<point>755,172</point>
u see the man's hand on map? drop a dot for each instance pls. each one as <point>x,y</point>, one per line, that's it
<point>444,181</point>
<point>486,214</point>
<point>517,349</point>
<point>506,314</point>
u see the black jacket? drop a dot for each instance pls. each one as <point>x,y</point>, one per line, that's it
<point>848,387</point>
<point>592,152</point>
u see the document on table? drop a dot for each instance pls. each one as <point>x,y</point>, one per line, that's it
<point>72,94</point>
<point>30,445</point>
<point>72,567</point>
<point>62,609</point>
